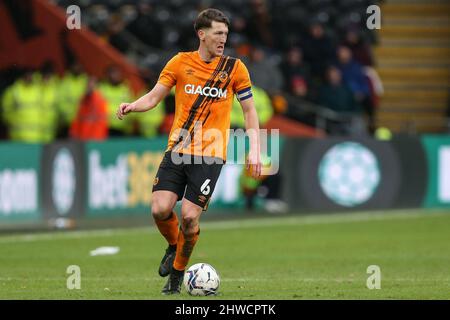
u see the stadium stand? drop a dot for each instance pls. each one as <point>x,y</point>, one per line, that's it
<point>413,61</point>
<point>290,47</point>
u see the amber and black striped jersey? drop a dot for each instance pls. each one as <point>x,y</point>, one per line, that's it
<point>203,98</point>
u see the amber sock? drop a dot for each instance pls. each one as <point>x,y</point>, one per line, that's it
<point>184,250</point>
<point>169,228</point>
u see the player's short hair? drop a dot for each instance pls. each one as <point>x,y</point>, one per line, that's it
<point>206,17</point>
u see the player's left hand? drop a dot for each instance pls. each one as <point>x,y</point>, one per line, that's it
<point>254,164</point>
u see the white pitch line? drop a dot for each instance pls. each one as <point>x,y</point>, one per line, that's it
<point>236,224</point>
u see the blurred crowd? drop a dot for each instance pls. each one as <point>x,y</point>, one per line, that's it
<point>41,106</point>
<point>311,61</point>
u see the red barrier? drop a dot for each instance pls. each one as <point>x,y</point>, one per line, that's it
<point>91,51</point>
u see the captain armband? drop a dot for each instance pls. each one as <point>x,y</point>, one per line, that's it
<point>244,94</point>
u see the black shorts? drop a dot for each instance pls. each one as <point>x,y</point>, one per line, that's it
<point>195,177</point>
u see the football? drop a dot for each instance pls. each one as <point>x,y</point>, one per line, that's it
<point>201,279</point>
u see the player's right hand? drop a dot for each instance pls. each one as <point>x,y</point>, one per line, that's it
<point>124,109</point>
<point>253,164</point>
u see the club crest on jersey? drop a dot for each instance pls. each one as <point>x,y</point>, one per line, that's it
<point>205,91</point>
<point>223,76</point>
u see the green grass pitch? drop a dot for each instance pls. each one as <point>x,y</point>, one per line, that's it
<point>289,257</point>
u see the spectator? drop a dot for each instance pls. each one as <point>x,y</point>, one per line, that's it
<point>49,84</point>
<point>91,120</point>
<point>169,113</point>
<point>294,68</point>
<point>264,74</point>
<point>353,75</point>
<point>29,109</point>
<point>299,106</point>
<point>71,90</point>
<point>337,96</point>
<point>259,23</point>
<point>116,91</point>
<point>116,33</point>
<point>361,50</point>
<point>263,107</point>
<point>150,122</point>
<point>145,27</point>
<point>237,38</point>
<point>319,49</point>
